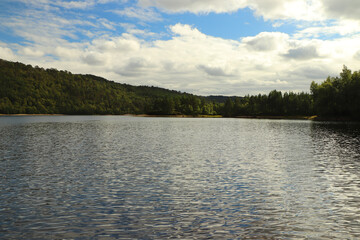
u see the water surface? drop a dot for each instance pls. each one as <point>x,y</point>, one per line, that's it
<point>153,178</point>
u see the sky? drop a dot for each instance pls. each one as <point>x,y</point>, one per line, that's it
<point>204,47</point>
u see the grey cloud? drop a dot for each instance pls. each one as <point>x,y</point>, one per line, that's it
<point>93,59</point>
<point>302,53</point>
<point>357,55</point>
<point>346,9</point>
<point>312,72</point>
<point>136,63</point>
<point>134,67</point>
<point>261,46</point>
<point>213,71</point>
<point>262,43</point>
<point>127,73</point>
<point>168,65</point>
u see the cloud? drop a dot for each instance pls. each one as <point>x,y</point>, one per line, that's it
<point>341,27</point>
<point>125,43</point>
<point>266,41</point>
<point>269,10</point>
<point>199,6</point>
<point>186,59</point>
<point>31,52</point>
<point>67,52</point>
<point>357,55</point>
<point>94,59</point>
<point>345,9</point>
<point>44,27</point>
<point>143,14</point>
<point>186,30</point>
<point>7,53</point>
<point>75,4</point>
<point>310,10</point>
<point>213,71</point>
<point>51,4</point>
<point>107,24</point>
<point>134,67</point>
<point>334,17</point>
<point>193,61</point>
<point>320,71</point>
<point>303,53</point>
<point>55,4</point>
<point>287,9</point>
<point>107,1</point>
<point>276,82</point>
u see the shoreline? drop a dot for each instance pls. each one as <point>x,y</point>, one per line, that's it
<point>309,118</point>
<point>175,116</point>
<point>280,117</point>
<point>32,114</point>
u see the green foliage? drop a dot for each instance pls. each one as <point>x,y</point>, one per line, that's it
<point>273,104</point>
<point>34,90</point>
<point>338,96</point>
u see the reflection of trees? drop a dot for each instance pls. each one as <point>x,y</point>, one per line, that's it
<point>338,140</point>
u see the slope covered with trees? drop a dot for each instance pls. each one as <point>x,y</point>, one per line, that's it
<point>34,90</point>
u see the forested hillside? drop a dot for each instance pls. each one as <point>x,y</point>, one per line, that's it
<point>34,90</point>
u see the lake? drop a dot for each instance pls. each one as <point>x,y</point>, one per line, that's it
<point>105,177</point>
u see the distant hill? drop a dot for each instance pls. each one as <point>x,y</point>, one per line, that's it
<point>34,90</point>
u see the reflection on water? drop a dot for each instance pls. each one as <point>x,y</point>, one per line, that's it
<point>124,177</point>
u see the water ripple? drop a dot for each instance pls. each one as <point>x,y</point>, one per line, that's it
<point>156,178</point>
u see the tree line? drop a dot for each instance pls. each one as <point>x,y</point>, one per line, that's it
<point>34,90</point>
<point>338,96</point>
<point>275,103</point>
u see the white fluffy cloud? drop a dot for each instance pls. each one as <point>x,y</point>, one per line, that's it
<point>198,63</point>
<point>344,15</point>
<point>6,53</point>
<point>276,9</point>
<point>188,59</point>
<point>287,9</point>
